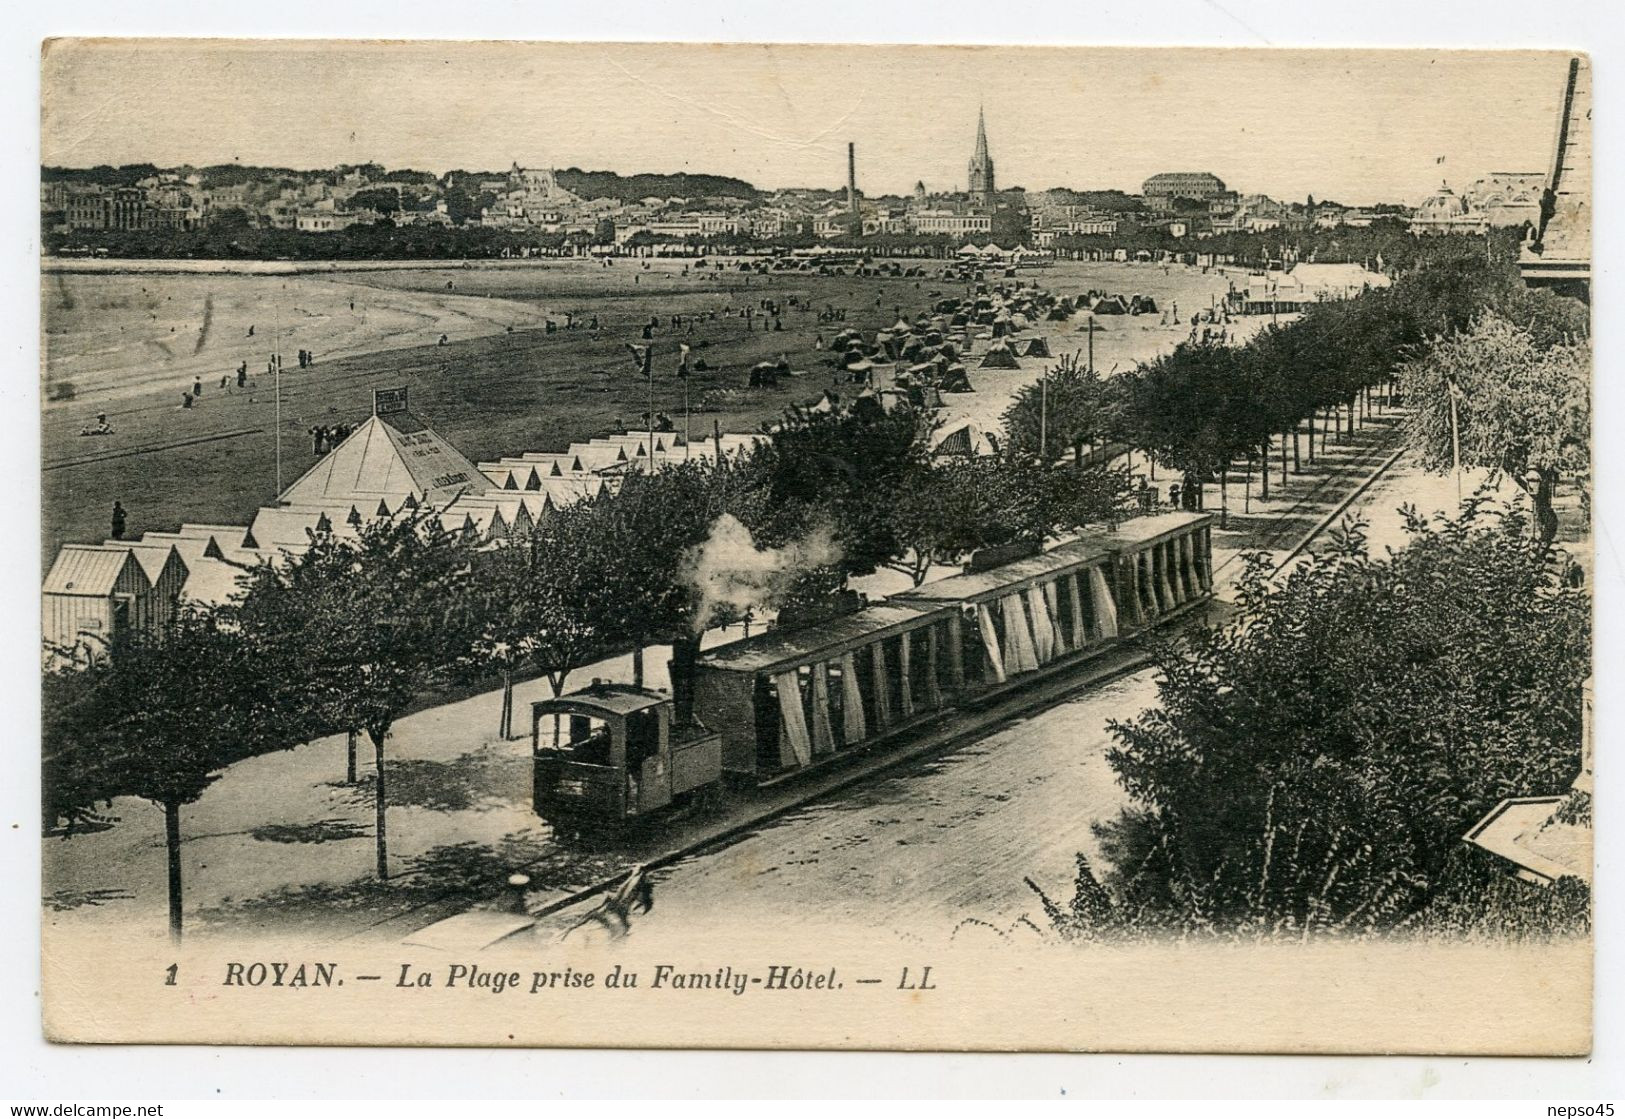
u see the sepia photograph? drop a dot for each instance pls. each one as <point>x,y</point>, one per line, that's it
<point>1015,548</point>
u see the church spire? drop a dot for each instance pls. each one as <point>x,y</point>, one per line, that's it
<point>981,164</point>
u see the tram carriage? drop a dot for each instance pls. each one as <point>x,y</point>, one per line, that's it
<point>1164,563</point>
<point>787,699</point>
<point>790,699</point>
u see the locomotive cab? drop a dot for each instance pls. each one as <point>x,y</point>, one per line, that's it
<point>611,752</point>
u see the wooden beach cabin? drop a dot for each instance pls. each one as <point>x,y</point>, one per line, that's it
<point>92,595</point>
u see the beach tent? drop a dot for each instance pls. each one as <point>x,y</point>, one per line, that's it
<point>963,441</point>
<point>998,356</point>
<point>388,456</point>
<point>1034,347</point>
<point>1110,305</point>
<point>955,379</point>
<point>925,396</point>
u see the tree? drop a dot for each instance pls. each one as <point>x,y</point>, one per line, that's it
<point>1519,408</point>
<point>944,510</point>
<point>1197,409</point>
<point>365,622</point>
<point>1069,407</point>
<point>843,467</point>
<point>159,718</point>
<point>569,605</point>
<point>1312,766</point>
<point>383,199</point>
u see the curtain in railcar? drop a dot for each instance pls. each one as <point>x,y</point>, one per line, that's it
<point>1019,656</point>
<point>793,720</point>
<point>923,669</point>
<point>1105,609</point>
<point>1043,626</point>
<point>1075,584</point>
<point>905,685</point>
<point>1148,592</point>
<point>882,686</point>
<point>1052,602</point>
<point>823,735</point>
<point>1128,579</point>
<point>1165,585</point>
<point>990,641</point>
<point>852,722</point>
<point>1187,567</point>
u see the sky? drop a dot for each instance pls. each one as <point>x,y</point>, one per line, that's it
<point>1355,126</point>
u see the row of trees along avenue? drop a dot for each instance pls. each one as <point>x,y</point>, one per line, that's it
<point>362,627</point>
<point>1207,405</point>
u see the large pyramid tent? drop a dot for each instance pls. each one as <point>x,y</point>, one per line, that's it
<point>392,455</point>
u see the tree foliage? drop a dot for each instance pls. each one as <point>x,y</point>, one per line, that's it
<point>1312,765</point>
<point>158,719</point>
<point>1520,408</point>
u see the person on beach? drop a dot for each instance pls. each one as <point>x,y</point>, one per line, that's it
<point>197,387</point>
<point>118,521</point>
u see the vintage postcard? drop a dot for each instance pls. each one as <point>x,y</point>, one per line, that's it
<point>816,547</point>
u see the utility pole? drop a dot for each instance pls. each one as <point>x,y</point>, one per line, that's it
<point>276,377</point>
<point>1043,415</point>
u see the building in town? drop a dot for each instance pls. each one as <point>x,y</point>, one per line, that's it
<point>1445,211</point>
<point>952,222</point>
<point>1199,186</point>
<point>1508,198</point>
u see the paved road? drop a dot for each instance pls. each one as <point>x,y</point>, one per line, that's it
<point>932,843</point>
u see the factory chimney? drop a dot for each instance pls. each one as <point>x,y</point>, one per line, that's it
<point>852,179</point>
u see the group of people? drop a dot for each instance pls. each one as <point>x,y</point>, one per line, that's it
<point>324,437</point>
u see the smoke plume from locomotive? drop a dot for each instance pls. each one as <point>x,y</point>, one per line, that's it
<point>728,570</point>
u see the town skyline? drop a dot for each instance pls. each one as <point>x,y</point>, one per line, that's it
<point>1493,115</point>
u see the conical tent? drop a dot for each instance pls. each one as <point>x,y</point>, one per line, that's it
<point>397,455</point>
<point>1034,347</point>
<point>998,356</point>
